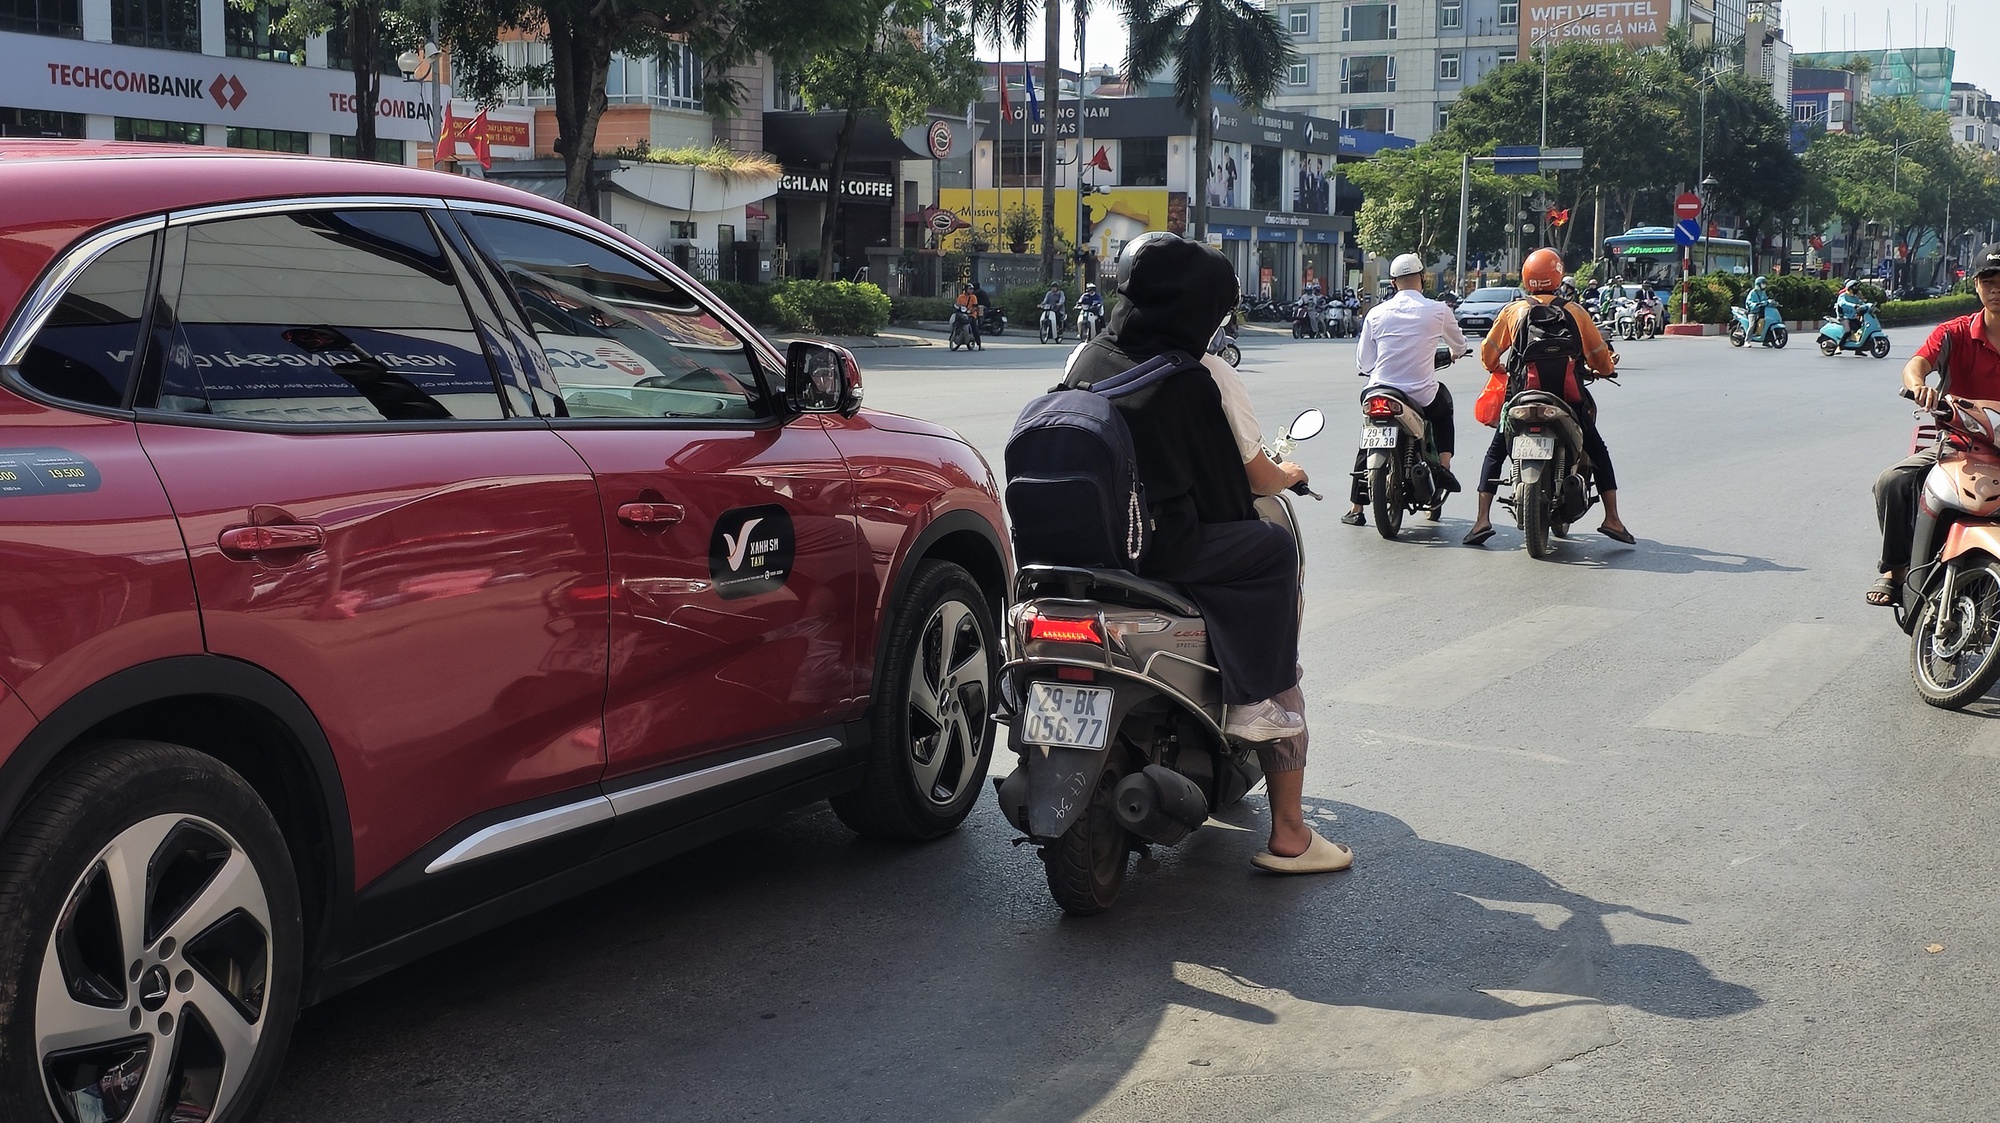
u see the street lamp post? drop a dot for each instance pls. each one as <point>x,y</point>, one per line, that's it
<point>1896,188</point>
<point>1537,39</point>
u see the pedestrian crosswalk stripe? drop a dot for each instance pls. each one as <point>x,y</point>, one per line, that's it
<point>1442,678</point>
<point>1756,692</point>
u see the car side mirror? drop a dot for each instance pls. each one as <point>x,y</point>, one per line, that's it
<point>822,378</point>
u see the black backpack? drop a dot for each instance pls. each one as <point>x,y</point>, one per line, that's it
<point>1073,492</point>
<point>1548,352</point>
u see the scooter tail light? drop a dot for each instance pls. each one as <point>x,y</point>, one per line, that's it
<point>1076,674</point>
<point>1053,629</point>
<point>1383,407</point>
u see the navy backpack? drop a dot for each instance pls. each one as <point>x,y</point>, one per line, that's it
<point>1073,492</point>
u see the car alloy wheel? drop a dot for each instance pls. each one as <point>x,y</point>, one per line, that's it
<point>931,730</point>
<point>949,686</point>
<point>153,983</point>
<point>154,943</point>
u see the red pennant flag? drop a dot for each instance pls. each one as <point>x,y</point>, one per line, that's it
<point>1006,105</point>
<point>447,146</point>
<point>1101,161</point>
<point>475,134</point>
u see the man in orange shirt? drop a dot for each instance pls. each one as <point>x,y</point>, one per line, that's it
<point>968,303</point>
<point>1542,275</point>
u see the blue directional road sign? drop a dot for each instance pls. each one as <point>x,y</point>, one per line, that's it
<point>1517,159</point>
<point>1687,232</point>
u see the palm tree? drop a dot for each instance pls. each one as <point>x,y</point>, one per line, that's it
<point>1232,44</point>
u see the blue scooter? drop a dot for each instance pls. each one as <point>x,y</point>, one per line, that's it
<point>1869,340</point>
<point>1775,334</point>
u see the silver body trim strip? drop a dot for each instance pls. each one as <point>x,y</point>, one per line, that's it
<point>573,816</point>
<point>674,787</point>
<point>521,831</point>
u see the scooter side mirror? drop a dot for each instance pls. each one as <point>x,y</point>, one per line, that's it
<point>1307,425</point>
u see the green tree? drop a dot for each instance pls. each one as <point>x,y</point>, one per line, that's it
<point>1750,154</point>
<point>909,55</point>
<point>1233,45</point>
<point>1855,173</point>
<point>365,28</point>
<point>1410,202</point>
<point>584,34</point>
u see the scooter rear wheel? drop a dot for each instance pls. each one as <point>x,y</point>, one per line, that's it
<point>1385,494</point>
<point>1086,866</point>
<point>1959,668</point>
<point>1534,503</point>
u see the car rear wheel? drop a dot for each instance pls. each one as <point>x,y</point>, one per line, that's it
<point>931,722</point>
<point>150,967</point>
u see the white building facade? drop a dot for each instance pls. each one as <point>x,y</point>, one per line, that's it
<point>1975,117</point>
<point>192,72</point>
<point>1396,66</point>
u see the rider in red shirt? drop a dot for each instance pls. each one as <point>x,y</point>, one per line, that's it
<point>1973,372</point>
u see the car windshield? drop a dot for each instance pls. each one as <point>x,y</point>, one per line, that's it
<point>1492,296</point>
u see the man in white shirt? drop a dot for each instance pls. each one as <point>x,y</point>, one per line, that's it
<point>1398,349</point>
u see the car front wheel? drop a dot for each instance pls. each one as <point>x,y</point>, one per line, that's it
<point>150,967</point>
<point>932,733</point>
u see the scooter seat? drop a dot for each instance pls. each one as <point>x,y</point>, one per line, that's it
<point>1081,583</point>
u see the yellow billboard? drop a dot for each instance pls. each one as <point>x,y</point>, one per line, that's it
<point>1112,218</point>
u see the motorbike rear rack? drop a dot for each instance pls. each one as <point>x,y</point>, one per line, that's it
<point>1077,581</point>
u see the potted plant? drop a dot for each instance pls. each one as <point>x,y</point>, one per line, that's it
<point>1020,226</point>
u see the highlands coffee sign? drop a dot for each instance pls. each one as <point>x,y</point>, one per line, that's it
<point>862,187</point>
<point>70,76</point>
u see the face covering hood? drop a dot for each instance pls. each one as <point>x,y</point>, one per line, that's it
<point>1175,295</point>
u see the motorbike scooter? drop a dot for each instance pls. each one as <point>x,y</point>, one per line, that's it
<point>1309,318</point>
<point>1870,340</point>
<point>1086,322</point>
<point>1401,471</point>
<point>1742,331</point>
<point>1551,478</point>
<point>1115,715</point>
<point>1950,604</point>
<point>1051,326</point>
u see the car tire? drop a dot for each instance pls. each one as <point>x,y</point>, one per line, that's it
<point>929,747</point>
<point>199,1003</point>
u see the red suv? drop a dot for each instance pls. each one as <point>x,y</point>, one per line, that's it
<point>390,554</point>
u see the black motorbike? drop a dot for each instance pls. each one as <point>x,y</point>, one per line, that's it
<point>1552,481</point>
<point>1402,471</point>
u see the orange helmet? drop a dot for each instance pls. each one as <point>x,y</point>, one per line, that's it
<point>1543,271</point>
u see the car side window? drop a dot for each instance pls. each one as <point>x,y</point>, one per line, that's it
<point>622,341</point>
<point>84,351</point>
<point>318,317</point>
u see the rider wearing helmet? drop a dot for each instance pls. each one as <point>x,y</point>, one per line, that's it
<point>1542,276</point>
<point>968,306</point>
<point>1848,307</point>
<point>1398,349</point>
<point>1756,303</point>
<point>1091,300</point>
<point>1199,453</point>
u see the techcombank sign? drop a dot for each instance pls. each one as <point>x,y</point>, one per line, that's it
<point>77,77</point>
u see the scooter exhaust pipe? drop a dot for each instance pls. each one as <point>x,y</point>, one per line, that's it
<point>1159,805</point>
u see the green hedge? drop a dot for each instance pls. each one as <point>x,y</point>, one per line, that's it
<point>910,309</point>
<point>831,307</point>
<point>1801,297</point>
<point>1023,306</point>
<point>1709,298</point>
<point>1925,311</point>
<point>752,302</point>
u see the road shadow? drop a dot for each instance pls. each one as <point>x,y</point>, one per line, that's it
<point>1649,556</point>
<point>792,972</point>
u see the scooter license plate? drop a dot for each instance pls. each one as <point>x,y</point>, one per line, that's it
<point>1075,717</point>
<point>1380,436</point>
<point>1530,447</point>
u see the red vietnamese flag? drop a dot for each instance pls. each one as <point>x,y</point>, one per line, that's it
<point>475,135</point>
<point>1006,105</point>
<point>447,146</point>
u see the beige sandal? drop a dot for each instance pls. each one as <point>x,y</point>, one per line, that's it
<point>1320,856</point>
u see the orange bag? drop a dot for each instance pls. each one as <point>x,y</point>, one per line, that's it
<point>1487,408</point>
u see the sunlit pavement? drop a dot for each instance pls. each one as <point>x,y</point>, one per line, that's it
<point>1653,832</point>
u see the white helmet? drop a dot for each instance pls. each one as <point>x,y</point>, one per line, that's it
<point>1408,265</point>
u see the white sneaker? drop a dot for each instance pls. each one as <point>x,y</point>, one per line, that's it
<point>1263,721</point>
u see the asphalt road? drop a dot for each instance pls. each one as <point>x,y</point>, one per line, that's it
<point>1644,833</point>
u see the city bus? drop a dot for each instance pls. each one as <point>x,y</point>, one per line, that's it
<point>1647,255</point>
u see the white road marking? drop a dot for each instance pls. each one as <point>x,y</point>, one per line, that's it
<point>1458,670</point>
<point>1756,692</point>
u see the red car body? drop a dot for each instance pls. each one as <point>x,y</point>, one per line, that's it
<point>481,624</point>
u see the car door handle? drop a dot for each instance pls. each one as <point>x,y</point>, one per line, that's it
<point>277,539</point>
<point>650,514</point>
